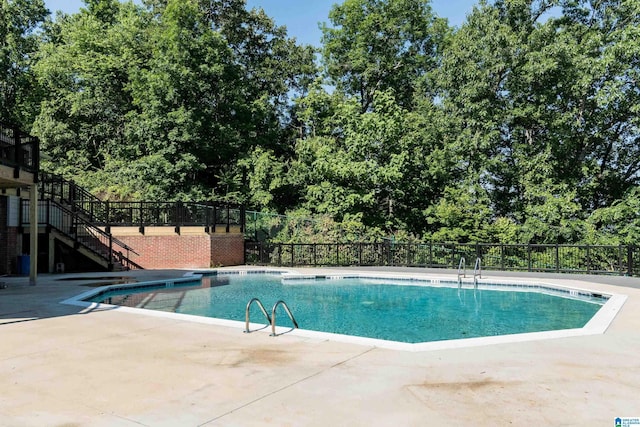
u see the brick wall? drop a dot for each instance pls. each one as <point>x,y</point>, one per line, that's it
<point>184,251</point>
<point>227,249</point>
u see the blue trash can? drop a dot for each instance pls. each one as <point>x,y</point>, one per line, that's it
<point>24,265</point>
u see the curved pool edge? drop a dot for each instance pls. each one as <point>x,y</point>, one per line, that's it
<point>597,325</point>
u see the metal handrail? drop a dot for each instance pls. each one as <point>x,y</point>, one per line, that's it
<point>273,316</point>
<point>83,233</point>
<point>246,313</point>
<point>461,266</point>
<point>477,272</point>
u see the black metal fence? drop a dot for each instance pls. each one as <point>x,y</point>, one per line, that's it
<point>214,217</point>
<point>18,149</point>
<point>620,260</point>
<point>211,216</point>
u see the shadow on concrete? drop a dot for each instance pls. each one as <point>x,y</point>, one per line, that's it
<point>20,302</point>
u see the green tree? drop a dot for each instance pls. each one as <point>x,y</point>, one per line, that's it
<point>543,109</point>
<point>380,45</point>
<point>19,93</point>
<point>85,67</point>
<point>163,101</point>
<point>617,224</point>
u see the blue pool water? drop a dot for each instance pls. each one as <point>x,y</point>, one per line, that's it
<point>374,308</point>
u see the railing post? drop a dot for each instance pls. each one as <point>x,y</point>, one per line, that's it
<point>279,253</point>
<point>315,254</point>
<point>110,252</point>
<point>243,219</point>
<point>16,148</point>
<point>502,256</point>
<point>557,258</point>
<point>108,217</point>
<point>72,196</point>
<point>620,270</point>
<point>430,254</point>
<point>529,256</point>
<point>207,218</point>
<point>36,155</point>
<point>141,223</point>
<point>630,260</point>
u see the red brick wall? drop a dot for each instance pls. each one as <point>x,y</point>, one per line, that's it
<point>185,251</point>
<point>227,249</point>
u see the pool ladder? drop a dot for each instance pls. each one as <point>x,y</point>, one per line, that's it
<point>477,272</point>
<point>270,319</point>
<point>462,272</point>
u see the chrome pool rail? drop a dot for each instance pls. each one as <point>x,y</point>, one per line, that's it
<point>477,272</point>
<point>270,319</point>
<point>273,316</point>
<point>246,313</point>
<point>462,271</point>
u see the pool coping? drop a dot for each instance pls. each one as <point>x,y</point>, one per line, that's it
<point>598,324</point>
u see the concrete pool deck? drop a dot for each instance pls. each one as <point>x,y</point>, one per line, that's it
<point>62,365</point>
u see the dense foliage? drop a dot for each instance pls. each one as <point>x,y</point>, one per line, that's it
<point>521,125</point>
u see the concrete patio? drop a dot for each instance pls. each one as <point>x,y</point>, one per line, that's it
<point>62,365</point>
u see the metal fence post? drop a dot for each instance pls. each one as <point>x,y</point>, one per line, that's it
<point>110,252</point>
<point>141,224</point>
<point>107,227</point>
<point>620,270</point>
<point>315,257</point>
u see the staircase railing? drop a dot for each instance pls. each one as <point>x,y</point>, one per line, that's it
<point>81,232</point>
<point>140,214</point>
<point>70,194</point>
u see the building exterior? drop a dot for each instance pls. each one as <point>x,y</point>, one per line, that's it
<point>19,166</point>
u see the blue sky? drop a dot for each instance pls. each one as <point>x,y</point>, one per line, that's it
<point>301,17</point>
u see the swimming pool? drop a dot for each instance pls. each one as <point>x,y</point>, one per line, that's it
<point>392,309</point>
